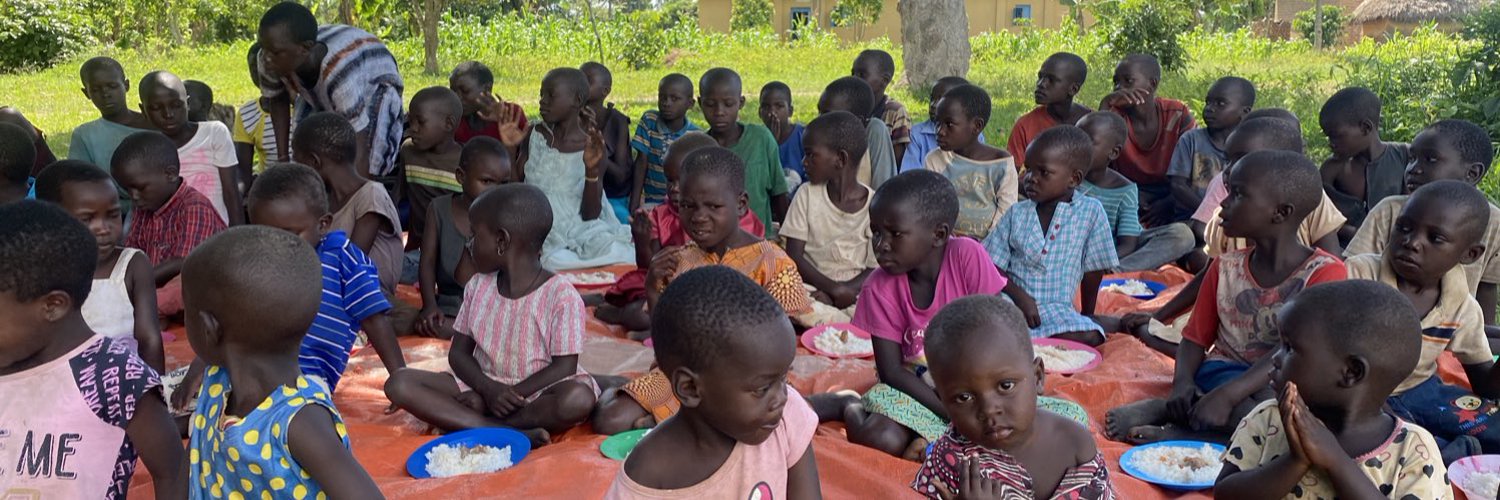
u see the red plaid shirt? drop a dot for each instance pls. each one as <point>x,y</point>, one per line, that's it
<point>175,229</point>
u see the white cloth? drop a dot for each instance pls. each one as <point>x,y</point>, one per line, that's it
<point>574,243</point>
<point>108,310</point>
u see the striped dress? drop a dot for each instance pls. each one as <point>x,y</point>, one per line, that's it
<point>357,79</point>
<point>515,338</point>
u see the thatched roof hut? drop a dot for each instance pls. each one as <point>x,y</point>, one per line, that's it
<point>1414,11</point>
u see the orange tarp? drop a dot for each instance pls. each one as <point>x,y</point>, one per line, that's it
<point>572,467</point>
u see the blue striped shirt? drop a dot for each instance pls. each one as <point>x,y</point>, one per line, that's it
<point>652,137</point>
<point>351,293</point>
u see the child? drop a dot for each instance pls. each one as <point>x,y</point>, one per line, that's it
<point>827,230</point>
<point>105,85</point>
<point>1199,155</point>
<point>484,164</point>
<point>711,195</point>
<point>44,156</point>
<point>614,126</point>
<point>564,156</point>
<point>1326,435</point>
<point>251,294</point>
<point>361,207</point>
<point>519,333</point>
<point>1441,227</point>
<point>170,218</point>
<point>742,431</point>
<point>205,150</point>
<point>923,267</point>
<point>16,157</point>
<point>654,230</point>
<point>430,156</point>
<point>254,134</point>
<point>1270,193</point>
<point>473,82</point>
<point>984,370</point>
<point>1115,193</point>
<point>1452,150</point>
<point>63,383</point>
<point>924,135</point>
<point>122,303</point>
<point>985,176</point>
<point>851,94</point>
<point>878,69</point>
<point>1363,169</point>
<point>765,182</point>
<point>776,113</point>
<point>657,129</point>
<point>1154,126</point>
<point>1058,81</point>
<point>201,105</point>
<point>1053,240</point>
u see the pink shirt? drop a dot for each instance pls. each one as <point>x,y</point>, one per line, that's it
<point>211,149</point>
<point>517,338</point>
<point>751,471</point>
<point>62,426</point>
<point>1213,196</point>
<point>885,306</point>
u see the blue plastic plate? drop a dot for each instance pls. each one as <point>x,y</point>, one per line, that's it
<point>1127,464</point>
<point>499,437</point>
<point>1155,287</point>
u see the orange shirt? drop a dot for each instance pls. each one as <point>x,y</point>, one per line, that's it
<point>1028,126</point>
<point>1149,166</point>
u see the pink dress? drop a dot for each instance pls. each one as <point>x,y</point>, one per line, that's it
<point>517,338</point>
<point>210,150</point>
<point>752,471</point>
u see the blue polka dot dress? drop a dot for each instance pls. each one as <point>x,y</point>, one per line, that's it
<point>248,458</point>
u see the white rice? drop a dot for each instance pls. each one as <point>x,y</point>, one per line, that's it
<point>1483,484</point>
<point>1130,287</point>
<point>1180,465</point>
<point>1062,359</point>
<point>843,343</point>
<point>445,461</point>
<point>593,278</point>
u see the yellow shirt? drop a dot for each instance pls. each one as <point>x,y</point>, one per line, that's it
<point>1376,232</point>
<point>1455,323</point>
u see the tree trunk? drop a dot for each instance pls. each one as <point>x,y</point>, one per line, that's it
<point>935,41</point>
<point>346,12</point>
<point>432,12</point>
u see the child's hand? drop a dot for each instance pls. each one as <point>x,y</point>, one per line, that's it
<point>1134,321</point>
<point>1310,440</point>
<point>843,295</point>
<point>640,225</point>
<point>1028,308</point>
<point>1126,98</point>
<point>662,267</point>
<point>186,391</point>
<point>1212,411</point>
<point>1180,402</point>
<point>593,150</point>
<point>502,400</point>
<point>508,119</point>
<point>972,484</point>
<point>429,321</point>
<point>1159,213</point>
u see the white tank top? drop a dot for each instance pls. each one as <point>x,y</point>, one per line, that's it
<point>108,309</point>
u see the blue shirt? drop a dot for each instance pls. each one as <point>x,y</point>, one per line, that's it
<point>31,188</point>
<point>351,293</point>
<point>652,139</point>
<point>791,152</point>
<point>923,141</point>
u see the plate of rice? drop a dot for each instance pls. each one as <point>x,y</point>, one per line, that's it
<point>1140,289</point>
<point>591,280</point>
<point>1478,476</point>
<point>473,451</point>
<point>1065,357</point>
<point>1175,465</point>
<point>839,340</point>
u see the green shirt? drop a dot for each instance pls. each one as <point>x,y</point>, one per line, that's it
<point>763,176</point>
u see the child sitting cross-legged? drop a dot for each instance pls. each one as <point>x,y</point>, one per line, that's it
<point>713,202</point>
<point>1055,239</point>
<point>1270,193</point>
<point>518,335</point>
<point>261,426</point>
<point>483,164</point>
<point>1326,435</point>
<point>64,384</point>
<point>653,230</point>
<point>725,346</point>
<point>984,175</point>
<point>923,267</point>
<point>1440,229</point>
<point>1000,441</point>
<point>122,303</point>
<point>827,230</point>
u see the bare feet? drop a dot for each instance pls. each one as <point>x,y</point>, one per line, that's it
<point>832,406</point>
<point>1120,422</point>
<point>916,451</point>
<point>539,437</point>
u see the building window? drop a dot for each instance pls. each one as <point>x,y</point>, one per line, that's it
<point>1021,14</point>
<point>801,17</point>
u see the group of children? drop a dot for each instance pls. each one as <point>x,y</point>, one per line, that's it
<point>1318,372</point>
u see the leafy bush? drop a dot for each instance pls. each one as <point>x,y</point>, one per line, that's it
<point>1412,74</point>
<point>36,34</point>
<point>750,15</point>
<point>1145,27</point>
<point>1334,20</point>
<point>1477,78</point>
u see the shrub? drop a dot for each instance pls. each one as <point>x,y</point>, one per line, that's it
<point>1412,74</point>
<point>36,34</point>
<point>1334,19</point>
<point>1145,27</point>
<point>750,15</point>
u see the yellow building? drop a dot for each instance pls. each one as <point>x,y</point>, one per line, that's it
<point>984,16</point>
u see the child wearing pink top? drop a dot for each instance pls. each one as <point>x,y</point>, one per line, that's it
<point>78,407</point>
<point>922,268</point>
<point>742,432</point>
<point>518,334</point>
